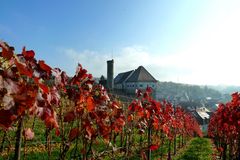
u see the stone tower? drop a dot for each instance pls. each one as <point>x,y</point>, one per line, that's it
<point>110,74</point>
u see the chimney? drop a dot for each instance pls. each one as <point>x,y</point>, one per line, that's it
<point>110,84</point>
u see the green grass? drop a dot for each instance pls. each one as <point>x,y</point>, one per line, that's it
<point>199,149</point>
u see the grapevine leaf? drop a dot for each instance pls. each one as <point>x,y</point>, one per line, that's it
<point>44,66</point>
<point>69,117</point>
<point>74,132</point>
<point>28,54</point>
<point>90,104</point>
<point>23,69</point>
<point>153,147</point>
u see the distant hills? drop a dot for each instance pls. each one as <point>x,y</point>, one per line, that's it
<point>189,92</point>
<point>225,89</point>
<point>178,92</point>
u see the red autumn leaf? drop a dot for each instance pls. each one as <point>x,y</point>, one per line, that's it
<point>121,121</point>
<point>7,52</point>
<point>155,123</point>
<point>57,132</point>
<point>90,104</point>
<point>80,72</point>
<point>104,130</point>
<point>117,129</point>
<point>20,110</point>
<point>115,105</point>
<point>220,149</point>
<point>69,117</point>
<point>42,86</point>
<point>143,155</point>
<point>138,93</point>
<point>64,78</point>
<point>51,122</point>
<point>130,118</point>
<point>90,132</point>
<point>149,89</point>
<point>28,54</point>
<point>140,113</point>
<point>44,66</point>
<point>235,98</point>
<point>74,132</point>
<point>153,147</point>
<point>166,129</point>
<point>6,118</point>
<point>93,115</point>
<point>23,69</point>
<point>146,95</point>
<point>147,114</point>
<point>20,97</point>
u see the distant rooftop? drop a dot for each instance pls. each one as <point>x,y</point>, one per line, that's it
<point>202,109</point>
<point>203,114</point>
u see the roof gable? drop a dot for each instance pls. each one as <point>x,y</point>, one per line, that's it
<point>121,77</point>
<point>141,75</point>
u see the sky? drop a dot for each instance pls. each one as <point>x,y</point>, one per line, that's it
<point>184,41</point>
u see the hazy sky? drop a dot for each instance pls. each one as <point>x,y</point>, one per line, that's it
<point>190,41</point>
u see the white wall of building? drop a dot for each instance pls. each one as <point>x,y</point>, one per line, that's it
<point>131,87</point>
<point>118,86</point>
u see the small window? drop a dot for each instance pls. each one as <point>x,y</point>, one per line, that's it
<point>140,85</point>
<point>152,85</point>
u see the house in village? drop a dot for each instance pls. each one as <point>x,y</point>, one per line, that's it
<point>129,81</point>
<point>202,116</point>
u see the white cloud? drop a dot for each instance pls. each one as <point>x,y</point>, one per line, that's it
<point>93,61</point>
<point>129,58</point>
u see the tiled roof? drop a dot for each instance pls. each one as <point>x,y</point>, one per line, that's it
<point>121,77</point>
<point>141,75</point>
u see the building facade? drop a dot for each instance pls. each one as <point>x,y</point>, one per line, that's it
<point>135,79</point>
<point>202,116</point>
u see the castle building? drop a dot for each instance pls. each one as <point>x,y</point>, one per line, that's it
<point>135,79</point>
